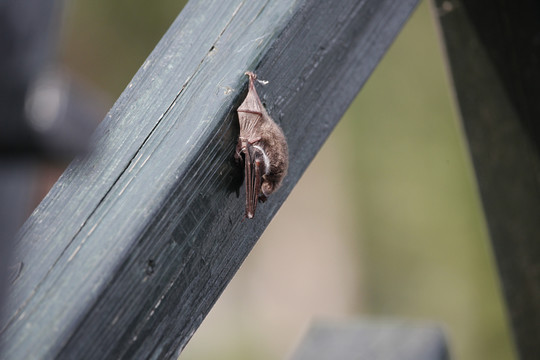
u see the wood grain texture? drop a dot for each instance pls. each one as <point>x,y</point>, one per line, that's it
<point>136,241</point>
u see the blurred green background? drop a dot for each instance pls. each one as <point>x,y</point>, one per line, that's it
<point>385,223</point>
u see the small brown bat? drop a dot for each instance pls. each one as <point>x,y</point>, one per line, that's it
<point>264,149</point>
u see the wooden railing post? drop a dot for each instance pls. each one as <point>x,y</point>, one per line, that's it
<point>493,54</point>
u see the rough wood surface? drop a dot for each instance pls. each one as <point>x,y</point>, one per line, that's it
<point>494,57</point>
<point>136,241</point>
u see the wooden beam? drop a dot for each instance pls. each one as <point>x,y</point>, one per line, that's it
<point>494,56</point>
<point>136,241</point>
<point>373,339</point>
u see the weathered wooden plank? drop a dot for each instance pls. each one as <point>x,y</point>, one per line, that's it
<point>135,242</point>
<point>372,339</point>
<point>15,200</point>
<point>493,54</point>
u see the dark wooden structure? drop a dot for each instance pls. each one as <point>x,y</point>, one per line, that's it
<point>493,49</point>
<point>136,241</point>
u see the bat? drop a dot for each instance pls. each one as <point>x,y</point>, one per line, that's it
<point>262,147</point>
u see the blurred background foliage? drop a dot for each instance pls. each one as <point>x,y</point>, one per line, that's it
<point>386,222</point>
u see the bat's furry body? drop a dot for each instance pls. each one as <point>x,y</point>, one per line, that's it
<point>264,147</point>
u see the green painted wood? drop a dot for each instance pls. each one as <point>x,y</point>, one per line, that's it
<point>137,240</point>
<point>493,54</point>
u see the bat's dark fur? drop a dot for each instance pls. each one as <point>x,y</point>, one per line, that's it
<point>264,147</point>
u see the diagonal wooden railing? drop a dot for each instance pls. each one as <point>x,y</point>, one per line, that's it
<point>136,241</point>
